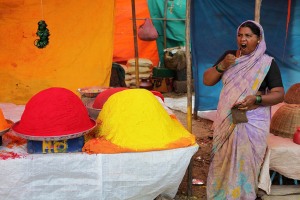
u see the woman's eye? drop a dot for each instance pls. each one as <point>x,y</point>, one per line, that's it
<point>246,35</point>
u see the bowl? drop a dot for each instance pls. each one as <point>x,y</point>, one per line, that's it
<point>93,112</point>
<point>91,92</point>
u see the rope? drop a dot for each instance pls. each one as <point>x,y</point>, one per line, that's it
<point>42,9</point>
<point>42,32</point>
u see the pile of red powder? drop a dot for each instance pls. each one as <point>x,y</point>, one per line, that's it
<point>54,112</point>
<point>103,96</point>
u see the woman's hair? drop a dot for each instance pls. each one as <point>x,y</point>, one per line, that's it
<point>252,26</point>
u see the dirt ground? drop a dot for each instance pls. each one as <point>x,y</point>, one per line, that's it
<point>201,128</point>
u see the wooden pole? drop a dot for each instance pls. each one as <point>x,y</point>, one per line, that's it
<point>257,10</point>
<point>136,51</point>
<point>165,23</point>
<point>189,86</point>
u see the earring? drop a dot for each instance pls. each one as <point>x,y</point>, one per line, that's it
<point>258,41</point>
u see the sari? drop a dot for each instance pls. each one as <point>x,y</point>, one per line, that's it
<point>238,149</point>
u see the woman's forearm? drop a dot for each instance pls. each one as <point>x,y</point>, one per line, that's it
<point>275,96</point>
<point>211,76</point>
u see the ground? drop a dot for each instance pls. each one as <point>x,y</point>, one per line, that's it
<point>201,128</point>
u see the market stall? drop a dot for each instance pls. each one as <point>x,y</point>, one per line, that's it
<point>139,175</point>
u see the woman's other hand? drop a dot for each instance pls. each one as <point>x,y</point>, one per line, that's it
<point>247,104</point>
<point>273,97</point>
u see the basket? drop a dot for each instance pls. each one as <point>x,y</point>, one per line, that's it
<point>286,120</point>
<point>292,96</point>
<point>175,58</point>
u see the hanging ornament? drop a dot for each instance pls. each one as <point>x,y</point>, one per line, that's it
<point>43,33</point>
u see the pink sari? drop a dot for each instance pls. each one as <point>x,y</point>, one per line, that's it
<point>238,150</point>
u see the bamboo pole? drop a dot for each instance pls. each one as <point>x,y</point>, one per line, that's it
<point>165,23</point>
<point>257,10</point>
<point>136,51</point>
<point>189,86</point>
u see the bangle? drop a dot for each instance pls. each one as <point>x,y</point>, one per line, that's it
<point>219,70</point>
<point>258,99</point>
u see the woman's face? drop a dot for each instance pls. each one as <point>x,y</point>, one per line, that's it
<point>246,40</point>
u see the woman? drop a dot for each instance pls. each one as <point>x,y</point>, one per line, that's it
<point>252,83</point>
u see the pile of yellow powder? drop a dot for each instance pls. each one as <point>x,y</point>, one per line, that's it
<point>134,120</point>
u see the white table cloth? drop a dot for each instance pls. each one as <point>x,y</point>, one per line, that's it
<point>70,176</point>
<point>282,156</point>
<point>97,176</point>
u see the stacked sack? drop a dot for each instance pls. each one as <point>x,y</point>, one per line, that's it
<point>145,71</point>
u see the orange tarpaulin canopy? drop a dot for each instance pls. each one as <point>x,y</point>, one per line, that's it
<point>85,38</point>
<point>123,41</point>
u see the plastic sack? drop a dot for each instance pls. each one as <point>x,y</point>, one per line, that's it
<point>147,31</point>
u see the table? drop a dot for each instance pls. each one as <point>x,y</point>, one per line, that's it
<point>282,156</point>
<point>135,176</point>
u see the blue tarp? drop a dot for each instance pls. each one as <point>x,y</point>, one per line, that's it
<point>213,31</point>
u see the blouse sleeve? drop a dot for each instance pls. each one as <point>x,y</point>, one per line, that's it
<point>273,78</point>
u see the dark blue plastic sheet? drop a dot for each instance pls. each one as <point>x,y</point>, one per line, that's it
<point>213,31</point>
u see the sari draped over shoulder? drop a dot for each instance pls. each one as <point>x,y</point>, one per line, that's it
<point>238,149</point>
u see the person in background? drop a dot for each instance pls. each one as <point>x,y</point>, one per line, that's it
<point>252,84</point>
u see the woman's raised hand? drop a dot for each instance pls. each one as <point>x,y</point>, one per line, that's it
<point>227,61</point>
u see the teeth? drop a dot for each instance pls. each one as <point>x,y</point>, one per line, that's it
<point>243,46</point>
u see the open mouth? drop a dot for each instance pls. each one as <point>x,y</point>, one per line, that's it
<point>243,46</point>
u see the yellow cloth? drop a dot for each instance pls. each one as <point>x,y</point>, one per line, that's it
<point>135,119</point>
